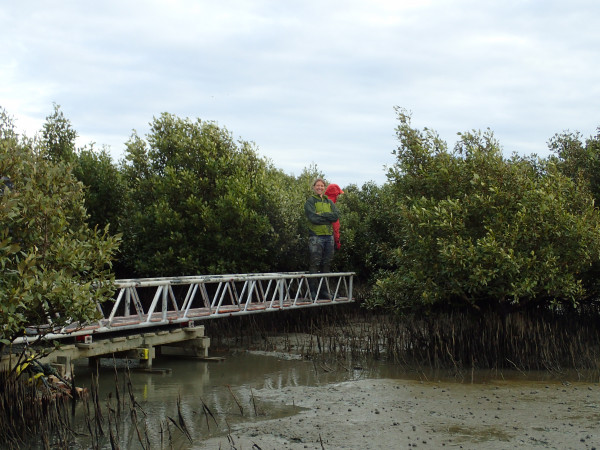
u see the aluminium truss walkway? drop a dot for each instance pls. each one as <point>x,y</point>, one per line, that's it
<point>146,303</point>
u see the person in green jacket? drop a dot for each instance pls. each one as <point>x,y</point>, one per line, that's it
<point>321,213</point>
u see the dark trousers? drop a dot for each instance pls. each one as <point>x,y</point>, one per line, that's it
<point>321,253</point>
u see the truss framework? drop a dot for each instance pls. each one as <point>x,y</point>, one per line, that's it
<point>154,302</point>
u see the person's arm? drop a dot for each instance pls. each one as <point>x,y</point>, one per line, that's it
<point>334,215</point>
<point>316,218</point>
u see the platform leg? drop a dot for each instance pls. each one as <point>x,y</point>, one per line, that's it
<point>147,357</point>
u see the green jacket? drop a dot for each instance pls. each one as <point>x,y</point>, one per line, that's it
<point>321,213</point>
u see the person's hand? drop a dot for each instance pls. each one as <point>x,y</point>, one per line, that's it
<point>337,245</point>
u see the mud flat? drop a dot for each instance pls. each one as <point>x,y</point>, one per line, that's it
<point>401,414</point>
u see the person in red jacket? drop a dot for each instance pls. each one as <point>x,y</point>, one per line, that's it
<point>332,192</point>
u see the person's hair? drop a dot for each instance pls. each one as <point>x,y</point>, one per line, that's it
<point>319,179</point>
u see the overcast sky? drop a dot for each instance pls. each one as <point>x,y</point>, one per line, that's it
<point>309,81</point>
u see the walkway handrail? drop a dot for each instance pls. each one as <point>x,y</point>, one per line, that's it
<point>147,282</point>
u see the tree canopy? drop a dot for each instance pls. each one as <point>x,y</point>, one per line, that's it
<point>55,268</point>
<point>480,230</point>
<point>198,201</point>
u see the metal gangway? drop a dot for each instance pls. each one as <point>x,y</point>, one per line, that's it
<point>145,303</point>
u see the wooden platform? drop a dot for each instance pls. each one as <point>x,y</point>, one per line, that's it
<point>186,342</point>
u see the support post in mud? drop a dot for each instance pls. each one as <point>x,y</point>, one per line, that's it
<point>63,366</point>
<point>93,362</point>
<point>145,355</point>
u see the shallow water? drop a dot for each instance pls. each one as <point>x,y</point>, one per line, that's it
<point>213,396</point>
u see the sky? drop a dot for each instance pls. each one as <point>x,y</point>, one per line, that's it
<point>308,81</point>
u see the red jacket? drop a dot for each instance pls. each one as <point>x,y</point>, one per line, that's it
<point>332,191</point>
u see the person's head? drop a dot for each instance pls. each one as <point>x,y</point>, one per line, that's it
<point>319,186</point>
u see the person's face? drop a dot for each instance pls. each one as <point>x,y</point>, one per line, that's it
<point>319,188</point>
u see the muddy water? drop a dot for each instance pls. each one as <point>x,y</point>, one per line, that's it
<point>209,398</point>
<point>213,395</point>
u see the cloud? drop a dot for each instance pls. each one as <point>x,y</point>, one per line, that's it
<point>307,81</point>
